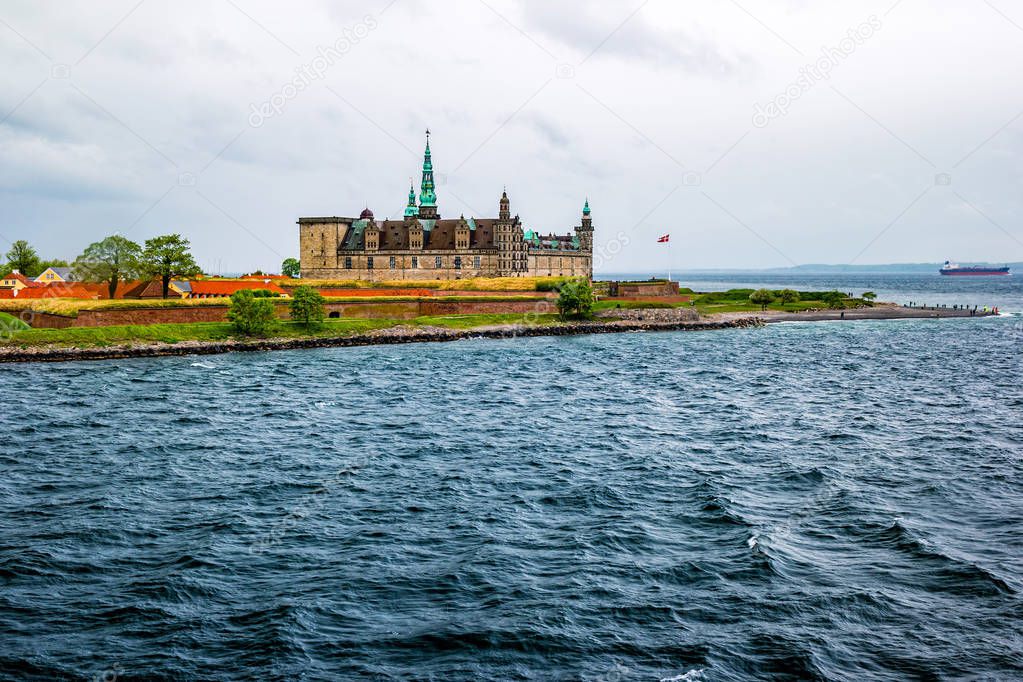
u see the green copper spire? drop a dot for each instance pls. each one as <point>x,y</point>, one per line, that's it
<point>586,207</point>
<point>427,197</point>
<point>411,210</point>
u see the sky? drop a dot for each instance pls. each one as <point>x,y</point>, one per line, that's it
<point>757,134</point>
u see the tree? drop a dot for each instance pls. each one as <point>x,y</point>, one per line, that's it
<point>788,296</point>
<point>762,297</point>
<point>307,306</point>
<point>868,296</point>
<point>167,257</point>
<point>251,315</point>
<point>575,299</point>
<point>24,259</point>
<point>833,299</point>
<point>113,260</point>
<point>291,267</point>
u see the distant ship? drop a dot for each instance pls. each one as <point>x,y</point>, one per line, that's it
<point>972,270</point>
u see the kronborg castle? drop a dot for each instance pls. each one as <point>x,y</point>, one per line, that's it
<point>425,246</point>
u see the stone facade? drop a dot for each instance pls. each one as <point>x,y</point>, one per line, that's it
<point>423,246</point>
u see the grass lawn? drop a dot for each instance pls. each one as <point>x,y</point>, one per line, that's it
<point>11,323</point>
<point>470,321</point>
<point>88,337</point>
<point>93,337</point>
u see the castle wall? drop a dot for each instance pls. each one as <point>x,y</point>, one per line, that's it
<point>409,265</point>
<point>318,244</point>
<point>546,263</point>
<point>405,310</point>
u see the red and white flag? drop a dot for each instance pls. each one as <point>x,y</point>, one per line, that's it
<point>663,240</point>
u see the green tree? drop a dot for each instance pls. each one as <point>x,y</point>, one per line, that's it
<point>167,257</point>
<point>762,298</point>
<point>113,260</point>
<point>575,299</point>
<point>24,259</point>
<point>833,299</point>
<point>788,296</point>
<point>251,315</point>
<point>869,296</point>
<point>291,267</point>
<point>307,306</point>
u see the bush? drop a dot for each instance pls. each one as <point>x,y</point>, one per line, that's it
<point>762,297</point>
<point>575,299</point>
<point>549,284</point>
<point>250,314</point>
<point>264,293</point>
<point>307,306</point>
<point>833,299</point>
<point>788,296</point>
<point>730,296</point>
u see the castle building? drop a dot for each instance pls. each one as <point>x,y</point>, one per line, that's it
<point>422,245</point>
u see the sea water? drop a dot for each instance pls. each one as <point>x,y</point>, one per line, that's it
<point>804,501</point>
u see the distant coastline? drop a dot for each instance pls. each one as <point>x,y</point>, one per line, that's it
<point>827,269</point>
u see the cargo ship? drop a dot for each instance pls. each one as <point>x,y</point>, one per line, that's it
<point>972,270</point>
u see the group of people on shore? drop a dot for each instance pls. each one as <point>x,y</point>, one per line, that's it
<point>973,311</point>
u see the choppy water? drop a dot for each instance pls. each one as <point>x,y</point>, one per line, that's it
<point>813,501</point>
<point>1006,293</point>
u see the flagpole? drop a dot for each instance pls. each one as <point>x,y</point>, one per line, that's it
<point>669,258</point>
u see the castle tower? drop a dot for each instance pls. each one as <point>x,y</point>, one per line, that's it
<point>505,208</point>
<point>427,195</point>
<point>585,230</point>
<point>372,234</point>
<point>511,248</point>
<point>410,209</point>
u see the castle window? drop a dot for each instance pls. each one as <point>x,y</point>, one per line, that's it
<point>415,262</point>
<point>348,262</point>
<point>476,262</point>
<point>458,262</point>
<point>369,262</point>
<point>392,262</point>
<point>438,263</point>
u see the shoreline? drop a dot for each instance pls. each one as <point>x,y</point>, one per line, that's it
<point>402,334</point>
<point>394,335</point>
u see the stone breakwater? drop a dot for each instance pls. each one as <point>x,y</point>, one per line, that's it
<point>393,335</point>
<point>654,314</point>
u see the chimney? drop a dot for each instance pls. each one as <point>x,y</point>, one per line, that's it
<point>15,272</point>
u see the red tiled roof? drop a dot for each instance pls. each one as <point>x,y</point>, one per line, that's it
<point>264,277</point>
<point>21,278</point>
<point>208,287</point>
<point>54,290</point>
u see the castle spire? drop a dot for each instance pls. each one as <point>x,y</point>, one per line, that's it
<point>586,207</point>
<point>410,210</point>
<point>427,196</point>
<point>505,206</point>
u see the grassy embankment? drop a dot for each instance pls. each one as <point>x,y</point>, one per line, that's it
<point>736,300</point>
<point>11,323</point>
<point>98,337</point>
<point>70,307</point>
<point>731,301</point>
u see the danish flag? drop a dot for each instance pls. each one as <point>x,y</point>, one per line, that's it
<point>663,240</point>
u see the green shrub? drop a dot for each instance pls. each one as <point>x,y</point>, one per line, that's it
<point>250,314</point>
<point>575,299</point>
<point>789,296</point>
<point>307,306</point>
<point>762,297</point>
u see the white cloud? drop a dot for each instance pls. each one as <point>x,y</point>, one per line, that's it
<point>675,82</point>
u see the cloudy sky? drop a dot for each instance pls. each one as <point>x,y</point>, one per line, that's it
<point>756,134</point>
